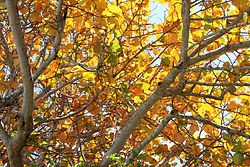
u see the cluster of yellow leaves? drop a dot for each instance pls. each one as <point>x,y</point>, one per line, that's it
<point>124,27</point>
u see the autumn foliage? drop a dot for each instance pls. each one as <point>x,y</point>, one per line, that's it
<point>97,82</point>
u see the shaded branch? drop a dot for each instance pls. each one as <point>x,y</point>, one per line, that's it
<point>55,89</point>
<point>70,114</point>
<point>222,127</point>
<point>102,48</point>
<point>201,95</point>
<point>212,19</point>
<point>8,55</point>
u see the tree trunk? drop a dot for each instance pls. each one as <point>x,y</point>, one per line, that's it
<point>15,157</point>
<point>14,151</point>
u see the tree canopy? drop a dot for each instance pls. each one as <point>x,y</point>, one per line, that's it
<point>96,83</point>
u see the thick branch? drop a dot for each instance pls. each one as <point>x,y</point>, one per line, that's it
<point>229,130</point>
<point>4,136</point>
<point>134,120</point>
<point>185,11</point>
<point>18,35</point>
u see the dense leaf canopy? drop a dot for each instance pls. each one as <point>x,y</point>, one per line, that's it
<point>95,82</point>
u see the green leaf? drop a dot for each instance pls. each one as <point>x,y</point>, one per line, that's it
<point>116,33</point>
<point>232,89</point>
<point>227,136</point>
<point>207,154</point>
<point>115,47</point>
<point>245,16</point>
<point>165,62</point>
<point>162,39</point>
<point>141,156</point>
<point>207,27</point>
<point>112,58</point>
<point>238,158</point>
<point>237,147</point>
<point>38,119</point>
<point>208,17</point>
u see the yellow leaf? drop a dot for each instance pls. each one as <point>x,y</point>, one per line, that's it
<point>145,86</point>
<point>112,10</point>
<point>205,108</point>
<point>2,6</point>
<point>241,4</point>
<point>196,136</point>
<point>137,100</point>
<point>146,3</point>
<point>87,25</point>
<point>162,1</point>
<point>88,75</point>
<point>78,23</point>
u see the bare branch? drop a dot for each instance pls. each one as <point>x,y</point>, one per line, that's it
<point>55,89</point>
<point>70,114</point>
<point>218,34</point>
<point>212,19</point>
<point>219,51</point>
<point>210,35</point>
<point>80,144</point>
<point>102,48</point>
<point>8,55</point>
<point>158,130</point>
<point>85,67</point>
<point>201,95</point>
<point>216,68</point>
<point>9,99</point>
<point>218,84</point>
<point>228,129</point>
<point>56,43</point>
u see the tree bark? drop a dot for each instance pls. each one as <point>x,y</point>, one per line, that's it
<point>16,143</point>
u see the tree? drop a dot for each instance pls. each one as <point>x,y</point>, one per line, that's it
<point>93,82</point>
